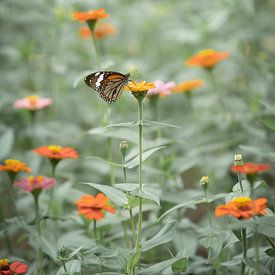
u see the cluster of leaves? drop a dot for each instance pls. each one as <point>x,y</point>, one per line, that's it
<point>43,54</point>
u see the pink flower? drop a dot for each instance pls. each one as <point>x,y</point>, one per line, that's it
<point>32,183</point>
<point>12,269</point>
<point>32,103</point>
<point>161,88</point>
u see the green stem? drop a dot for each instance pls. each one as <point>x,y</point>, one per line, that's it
<point>139,233</point>
<point>208,210</point>
<point>96,51</point>
<point>240,181</point>
<point>132,222</point>
<point>257,252</point>
<point>64,266</point>
<point>38,228</point>
<point>244,250</point>
<point>52,189</point>
<point>95,232</point>
<point>112,176</point>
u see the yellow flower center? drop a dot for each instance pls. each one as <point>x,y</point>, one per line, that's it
<point>241,200</point>
<point>33,99</point>
<point>4,262</point>
<point>37,178</point>
<point>206,52</point>
<point>12,162</point>
<point>55,148</point>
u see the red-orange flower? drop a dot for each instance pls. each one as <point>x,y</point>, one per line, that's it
<point>14,166</point>
<point>56,152</point>
<point>242,208</point>
<point>12,269</point>
<point>101,31</point>
<point>250,168</point>
<point>207,58</point>
<point>90,15</point>
<point>187,86</point>
<point>93,207</point>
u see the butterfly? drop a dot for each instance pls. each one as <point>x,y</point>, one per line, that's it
<point>108,84</point>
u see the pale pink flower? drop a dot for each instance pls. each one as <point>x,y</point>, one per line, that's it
<point>32,183</point>
<point>161,88</point>
<point>32,103</point>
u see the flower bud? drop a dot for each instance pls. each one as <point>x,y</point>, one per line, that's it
<point>238,159</point>
<point>204,181</point>
<point>63,252</point>
<point>123,147</point>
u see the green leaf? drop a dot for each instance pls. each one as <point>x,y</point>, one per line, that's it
<point>115,195</point>
<point>165,235</point>
<point>124,124</point>
<point>6,143</point>
<point>73,268</point>
<point>157,268</point>
<point>270,252</point>
<point>159,124</point>
<point>146,154</point>
<point>180,265</point>
<point>269,123</point>
<point>266,226</point>
<point>74,252</point>
<point>148,193</point>
<point>191,204</point>
<point>106,161</point>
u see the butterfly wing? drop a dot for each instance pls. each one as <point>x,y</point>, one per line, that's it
<point>108,84</point>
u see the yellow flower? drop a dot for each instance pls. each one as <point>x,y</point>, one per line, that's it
<point>141,86</point>
<point>187,86</point>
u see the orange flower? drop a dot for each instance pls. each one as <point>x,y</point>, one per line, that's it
<point>93,207</point>
<point>141,86</point>
<point>90,15</point>
<point>56,152</point>
<point>242,208</point>
<point>250,168</point>
<point>15,166</point>
<point>207,58</point>
<point>12,269</point>
<point>187,86</point>
<point>100,32</point>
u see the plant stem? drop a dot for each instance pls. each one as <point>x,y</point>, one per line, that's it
<point>38,228</point>
<point>244,250</point>
<point>208,209</point>
<point>52,189</point>
<point>110,158</point>
<point>240,181</point>
<point>257,252</point>
<point>64,266</point>
<point>96,51</point>
<point>132,222</point>
<point>95,232</point>
<point>139,233</point>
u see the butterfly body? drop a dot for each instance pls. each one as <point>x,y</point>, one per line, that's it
<point>108,84</point>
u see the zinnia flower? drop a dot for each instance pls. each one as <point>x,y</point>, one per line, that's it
<point>100,31</point>
<point>187,86</point>
<point>93,207</point>
<point>14,166</point>
<point>141,86</point>
<point>32,183</point>
<point>12,269</point>
<point>207,58</point>
<point>56,152</point>
<point>32,103</point>
<point>250,168</point>
<point>90,15</point>
<point>161,88</point>
<point>242,208</point>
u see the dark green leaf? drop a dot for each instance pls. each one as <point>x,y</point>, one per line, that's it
<point>180,265</point>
